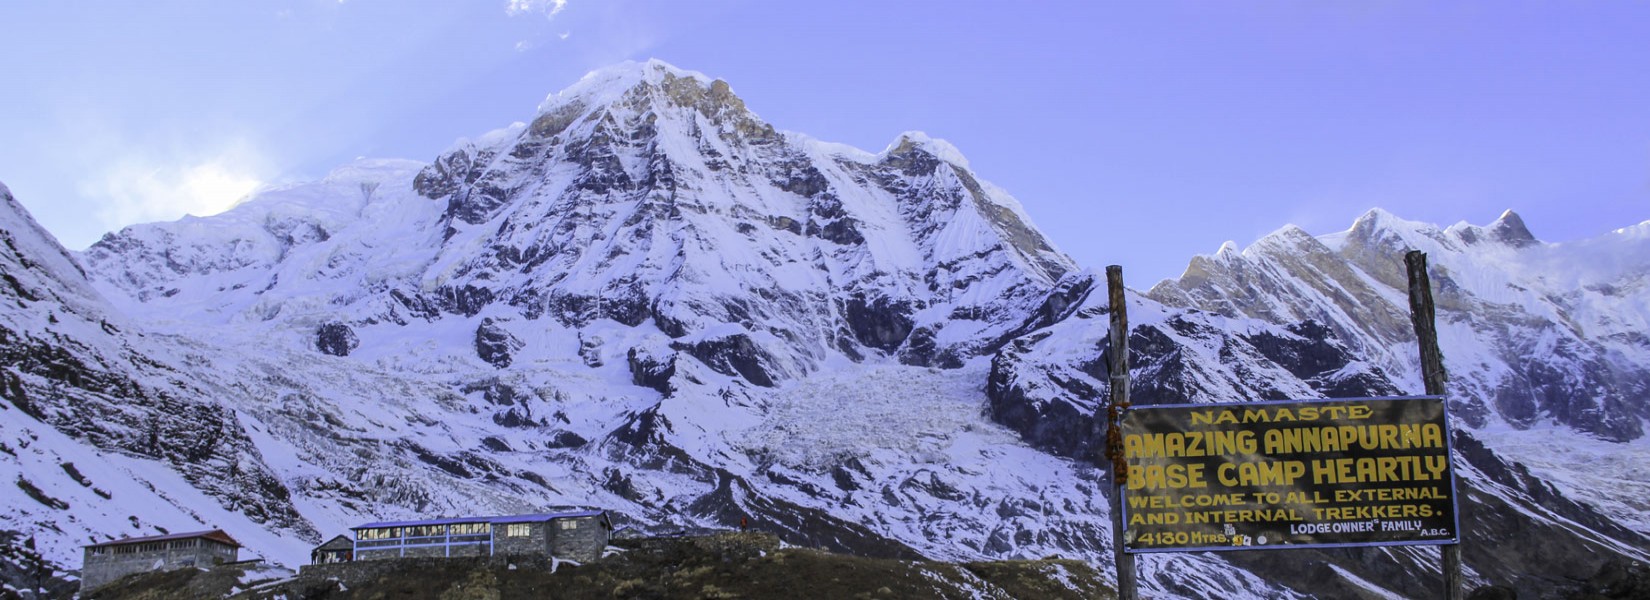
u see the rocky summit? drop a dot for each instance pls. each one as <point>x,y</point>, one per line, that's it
<point>647,299</point>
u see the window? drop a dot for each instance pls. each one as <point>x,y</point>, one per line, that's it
<point>470,528</point>
<point>517,530</point>
<point>380,533</point>
<point>569,524</point>
<point>427,531</point>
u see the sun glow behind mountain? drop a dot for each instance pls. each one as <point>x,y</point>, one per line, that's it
<point>139,191</point>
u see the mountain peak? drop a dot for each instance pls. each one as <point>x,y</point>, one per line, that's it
<point>1288,236</point>
<point>610,84</point>
<point>1374,218</point>
<point>915,140</point>
<point>1507,230</point>
<point>1378,224</point>
<point>1510,229</point>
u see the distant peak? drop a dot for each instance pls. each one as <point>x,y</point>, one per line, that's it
<point>607,84</point>
<point>1378,221</point>
<point>652,70</point>
<point>1510,229</point>
<point>917,140</point>
<point>1373,217</point>
<point>1289,231</point>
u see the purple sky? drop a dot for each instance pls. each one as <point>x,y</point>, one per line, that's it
<point>1135,133</point>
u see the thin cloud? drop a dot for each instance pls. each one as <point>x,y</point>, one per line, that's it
<point>548,8</point>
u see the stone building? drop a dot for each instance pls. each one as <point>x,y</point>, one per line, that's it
<point>339,549</point>
<point>575,535</point>
<point>108,561</point>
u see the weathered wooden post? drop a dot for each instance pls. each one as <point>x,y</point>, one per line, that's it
<point>1432,374</point>
<point>1118,350</point>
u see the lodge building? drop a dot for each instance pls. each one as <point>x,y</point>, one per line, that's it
<point>579,535</point>
<point>106,562</point>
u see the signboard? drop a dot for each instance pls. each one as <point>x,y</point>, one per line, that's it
<point>1361,472</point>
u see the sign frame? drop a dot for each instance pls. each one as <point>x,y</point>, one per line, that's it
<point>1449,453</point>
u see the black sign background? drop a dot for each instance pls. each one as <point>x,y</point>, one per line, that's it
<point>1241,476</point>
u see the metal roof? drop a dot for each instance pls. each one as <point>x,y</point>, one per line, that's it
<point>528,518</point>
<point>426,522</point>
<point>216,535</point>
<point>547,516</point>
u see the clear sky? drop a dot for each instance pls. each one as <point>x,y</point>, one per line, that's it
<point>1136,133</point>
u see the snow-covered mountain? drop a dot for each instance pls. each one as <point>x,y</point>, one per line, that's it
<point>650,300</point>
<point>1536,333</point>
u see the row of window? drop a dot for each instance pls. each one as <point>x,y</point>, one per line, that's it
<point>455,529</point>
<point>154,547</point>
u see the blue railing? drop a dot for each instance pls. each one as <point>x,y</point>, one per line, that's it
<point>449,541</point>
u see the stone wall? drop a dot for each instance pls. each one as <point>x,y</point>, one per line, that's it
<point>352,573</point>
<point>100,569</point>
<point>380,553</point>
<point>536,542</point>
<point>581,539</point>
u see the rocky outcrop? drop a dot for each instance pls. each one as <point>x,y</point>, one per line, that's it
<point>733,354</point>
<point>1048,384</point>
<point>495,344</point>
<point>652,369</point>
<point>1059,420</point>
<point>336,338</point>
<point>878,322</point>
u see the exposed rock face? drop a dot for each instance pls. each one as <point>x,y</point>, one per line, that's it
<point>733,354</point>
<point>1048,384</point>
<point>878,322</point>
<point>336,338</point>
<point>650,370</point>
<point>495,344</point>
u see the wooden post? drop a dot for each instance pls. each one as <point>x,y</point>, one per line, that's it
<point>1432,374</point>
<point>1118,350</point>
